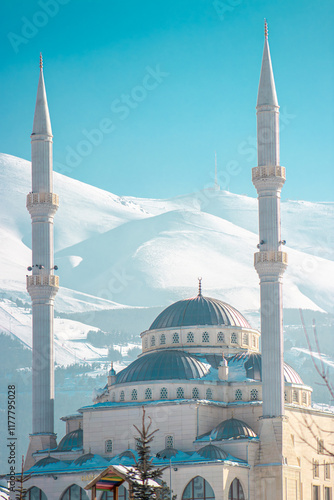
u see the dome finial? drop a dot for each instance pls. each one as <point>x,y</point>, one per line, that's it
<point>265,29</point>
<point>199,286</point>
<point>40,61</point>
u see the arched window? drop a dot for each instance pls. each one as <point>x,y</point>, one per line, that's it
<point>163,393</point>
<point>236,492</point>
<point>176,338</point>
<point>238,395</point>
<point>295,396</point>
<point>180,393</point>
<point>108,446</point>
<point>113,397</point>
<point>145,343</point>
<point>198,489</point>
<point>152,341</point>
<point>254,341</point>
<point>245,338</point>
<point>285,396</point>
<point>190,338</point>
<point>148,393</point>
<point>169,442</point>
<point>109,495</point>
<point>205,337</point>
<point>234,339</point>
<point>195,393</point>
<point>162,339</point>
<point>220,337</point>
<point>134,395</point>
<point>209,394</point>
<point>254,394</point>
<point>304,398</point>
<point>121,396</point>
<point>35,494</point>
<point>74,492</point>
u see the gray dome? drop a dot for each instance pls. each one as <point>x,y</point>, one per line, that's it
<point>199,311</point>
<point>211,452</point>
<point>167,453</point>
<point>71,440</point>
<point>231,429</point>
<point>163,365</point>
<point>46,461</point>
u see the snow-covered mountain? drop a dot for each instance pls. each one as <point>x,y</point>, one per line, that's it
<point>125,257</point>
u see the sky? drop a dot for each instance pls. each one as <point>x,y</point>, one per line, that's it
<point>142,94</point>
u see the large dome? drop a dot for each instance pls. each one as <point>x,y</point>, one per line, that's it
<point>163,365</point>
<point>199,311</point>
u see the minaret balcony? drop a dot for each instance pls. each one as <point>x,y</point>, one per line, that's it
<point>43,280</point>
<point>271,257</point>
<point>268,171</point>
<point>38,198</point>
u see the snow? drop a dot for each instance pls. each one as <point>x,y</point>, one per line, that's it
<point>126,254</point>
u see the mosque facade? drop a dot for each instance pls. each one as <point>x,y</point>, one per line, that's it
<point>235,422</point>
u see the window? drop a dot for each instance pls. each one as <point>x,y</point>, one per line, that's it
<point>152,341</point>
<point>254,395</point>
<point>163,393</point>
<point>162,339</point>
<point>295,396</point>
<point>169,441</point>
<point>146,343</point>
<point>236,492</point>
<point>234,339</point>
<point>285,396</point>
<point>327,471</point>
<point>327,493</point>
<point>245,338</point>
<point>35,494</point>
<point>195,393</point>
<point>121,396</point>
<point>134,395</point>
<point>316,492</point>
<point>176,338</point>
<point>179,393</point>
<point>209,394</point>
<point>148,393</point>
<point>254,341</point>
<point>205,337</point>
<point>109,495</point>
<point>315,468</point>
<point>190,337</point>
<point>74,492</point>
<point>320,445</point>
<point>238,395</point>
<point>113,397</point>
<point>198,489</point>
<point>108,446</point>
<point>220,337</point>
<point>304,398</point>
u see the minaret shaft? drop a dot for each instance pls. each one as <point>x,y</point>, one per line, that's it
<point>42,285</point>
<point>270,262</point>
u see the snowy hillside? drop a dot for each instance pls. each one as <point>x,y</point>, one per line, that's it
<point>123,256</point>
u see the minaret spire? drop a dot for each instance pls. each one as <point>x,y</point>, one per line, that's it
<point>270,262</point>
<point>42,285</point>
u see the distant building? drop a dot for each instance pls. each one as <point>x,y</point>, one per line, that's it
<point>234,424</point>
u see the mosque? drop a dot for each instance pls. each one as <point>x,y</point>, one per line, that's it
<point>235,422</point>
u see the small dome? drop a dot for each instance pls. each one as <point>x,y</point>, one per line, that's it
<point>231,429</point>
<point>46,461</point>
<point>84,458</point>
<point>163,365</point>
<point>199,311</point>
<point>167,453</point>
<point>71,440</point>
<point>211,452</point>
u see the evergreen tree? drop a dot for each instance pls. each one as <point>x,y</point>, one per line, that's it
<point>144,470</point>
<point>21,479</point>
<point>164,492</point>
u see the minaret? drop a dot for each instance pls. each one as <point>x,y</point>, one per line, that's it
<point>42,285</point>
<point>270,262</point>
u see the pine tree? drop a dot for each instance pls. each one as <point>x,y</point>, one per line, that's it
<point>144,470</point>
<point>20,490</point>
<point>164,492</point>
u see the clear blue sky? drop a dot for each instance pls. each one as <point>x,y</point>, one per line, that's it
<point>163,138</point>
